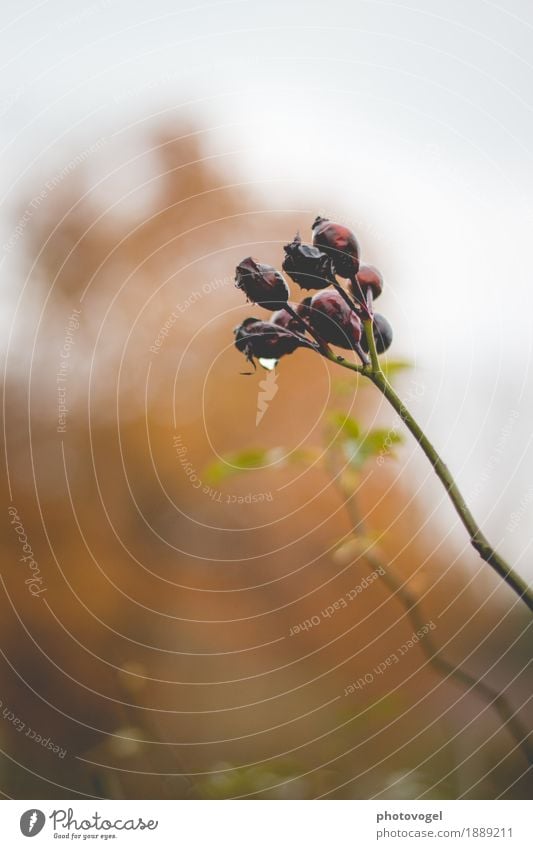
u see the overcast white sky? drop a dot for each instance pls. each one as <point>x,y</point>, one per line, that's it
<point>412,120</point>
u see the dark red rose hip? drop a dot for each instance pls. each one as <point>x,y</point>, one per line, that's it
<point>339,243</point>
<point>261,284</point>
<point>309,267</point>
<point>303,307</point>
<point>334,321</point>
<point>369,278</point>
<point>382,334</point>
<point>284,319</point>
<point>264,340</point>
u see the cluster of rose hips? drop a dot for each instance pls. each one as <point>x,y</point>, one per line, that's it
<point>332,315</point>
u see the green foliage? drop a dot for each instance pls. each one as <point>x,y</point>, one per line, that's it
<point>252,458</point>
<point>393,367</point>
<point>378,441</point>
<point>279,779</point>
<point>359,447</point>
<point>232,464</point>
<point>304,455</point>
<point>343,430</point>
<point>344,424</point>
<point>345,387</point>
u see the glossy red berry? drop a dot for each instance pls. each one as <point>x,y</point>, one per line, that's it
<point>303,308</point>
<point>284,319</point>
<point>262,284</point>
<point>309,267</point>
<point>333,320</point>
<point>339,243</point>
<point>382,334</point>
<point>369,278</point>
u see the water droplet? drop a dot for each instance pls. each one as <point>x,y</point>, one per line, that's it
<point>270,365</point>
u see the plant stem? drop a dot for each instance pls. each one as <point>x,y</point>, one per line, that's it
<point>477,539</point>
<point>368,325</point>
<point>323,348</point>
<point>345,296</point>
<point>410,603</point>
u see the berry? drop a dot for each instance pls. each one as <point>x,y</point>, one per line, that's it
<point>339,243</point>
<point>284,319</point>
<point>309,267</point>
<point>369,278</point>
<point>382,334</point>
<point>334,321</point>
<point>264,340</point>
<point>303,308</point>
<point>262,284</point>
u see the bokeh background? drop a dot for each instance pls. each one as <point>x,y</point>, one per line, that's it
<point>146,148</point>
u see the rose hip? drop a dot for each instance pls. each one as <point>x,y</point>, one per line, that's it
<point>262,284</point>
<point>340,245</point>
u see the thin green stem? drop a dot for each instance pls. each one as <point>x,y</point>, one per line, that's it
<point>368,325</point>
<point>410,603</point>
<point>477,539</point>
<point>306,327</point>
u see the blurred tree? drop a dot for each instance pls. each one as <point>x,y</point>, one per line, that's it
<point>160,655</point>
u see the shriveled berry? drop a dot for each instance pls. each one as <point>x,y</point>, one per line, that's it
<point>263,340</point>
<point>339,243</point>
<point>262,284</point>
<point>284,319</point>
<point>382,334</point>
<point>334,321</point>
<point>309,267</point>
<point>369,278</point>
<point>303,308</point>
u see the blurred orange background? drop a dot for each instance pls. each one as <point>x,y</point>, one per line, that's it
<point>160,658</point>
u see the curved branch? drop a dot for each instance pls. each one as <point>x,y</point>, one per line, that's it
<point>477,539</point>
<point>410,603</point>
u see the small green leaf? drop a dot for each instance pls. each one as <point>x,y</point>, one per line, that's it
<point>304,455</point>
<point>344,424</point>
<point>232,464</point>
<point>251,458</point>
<point>379,440</point>
<point>392,367</point>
